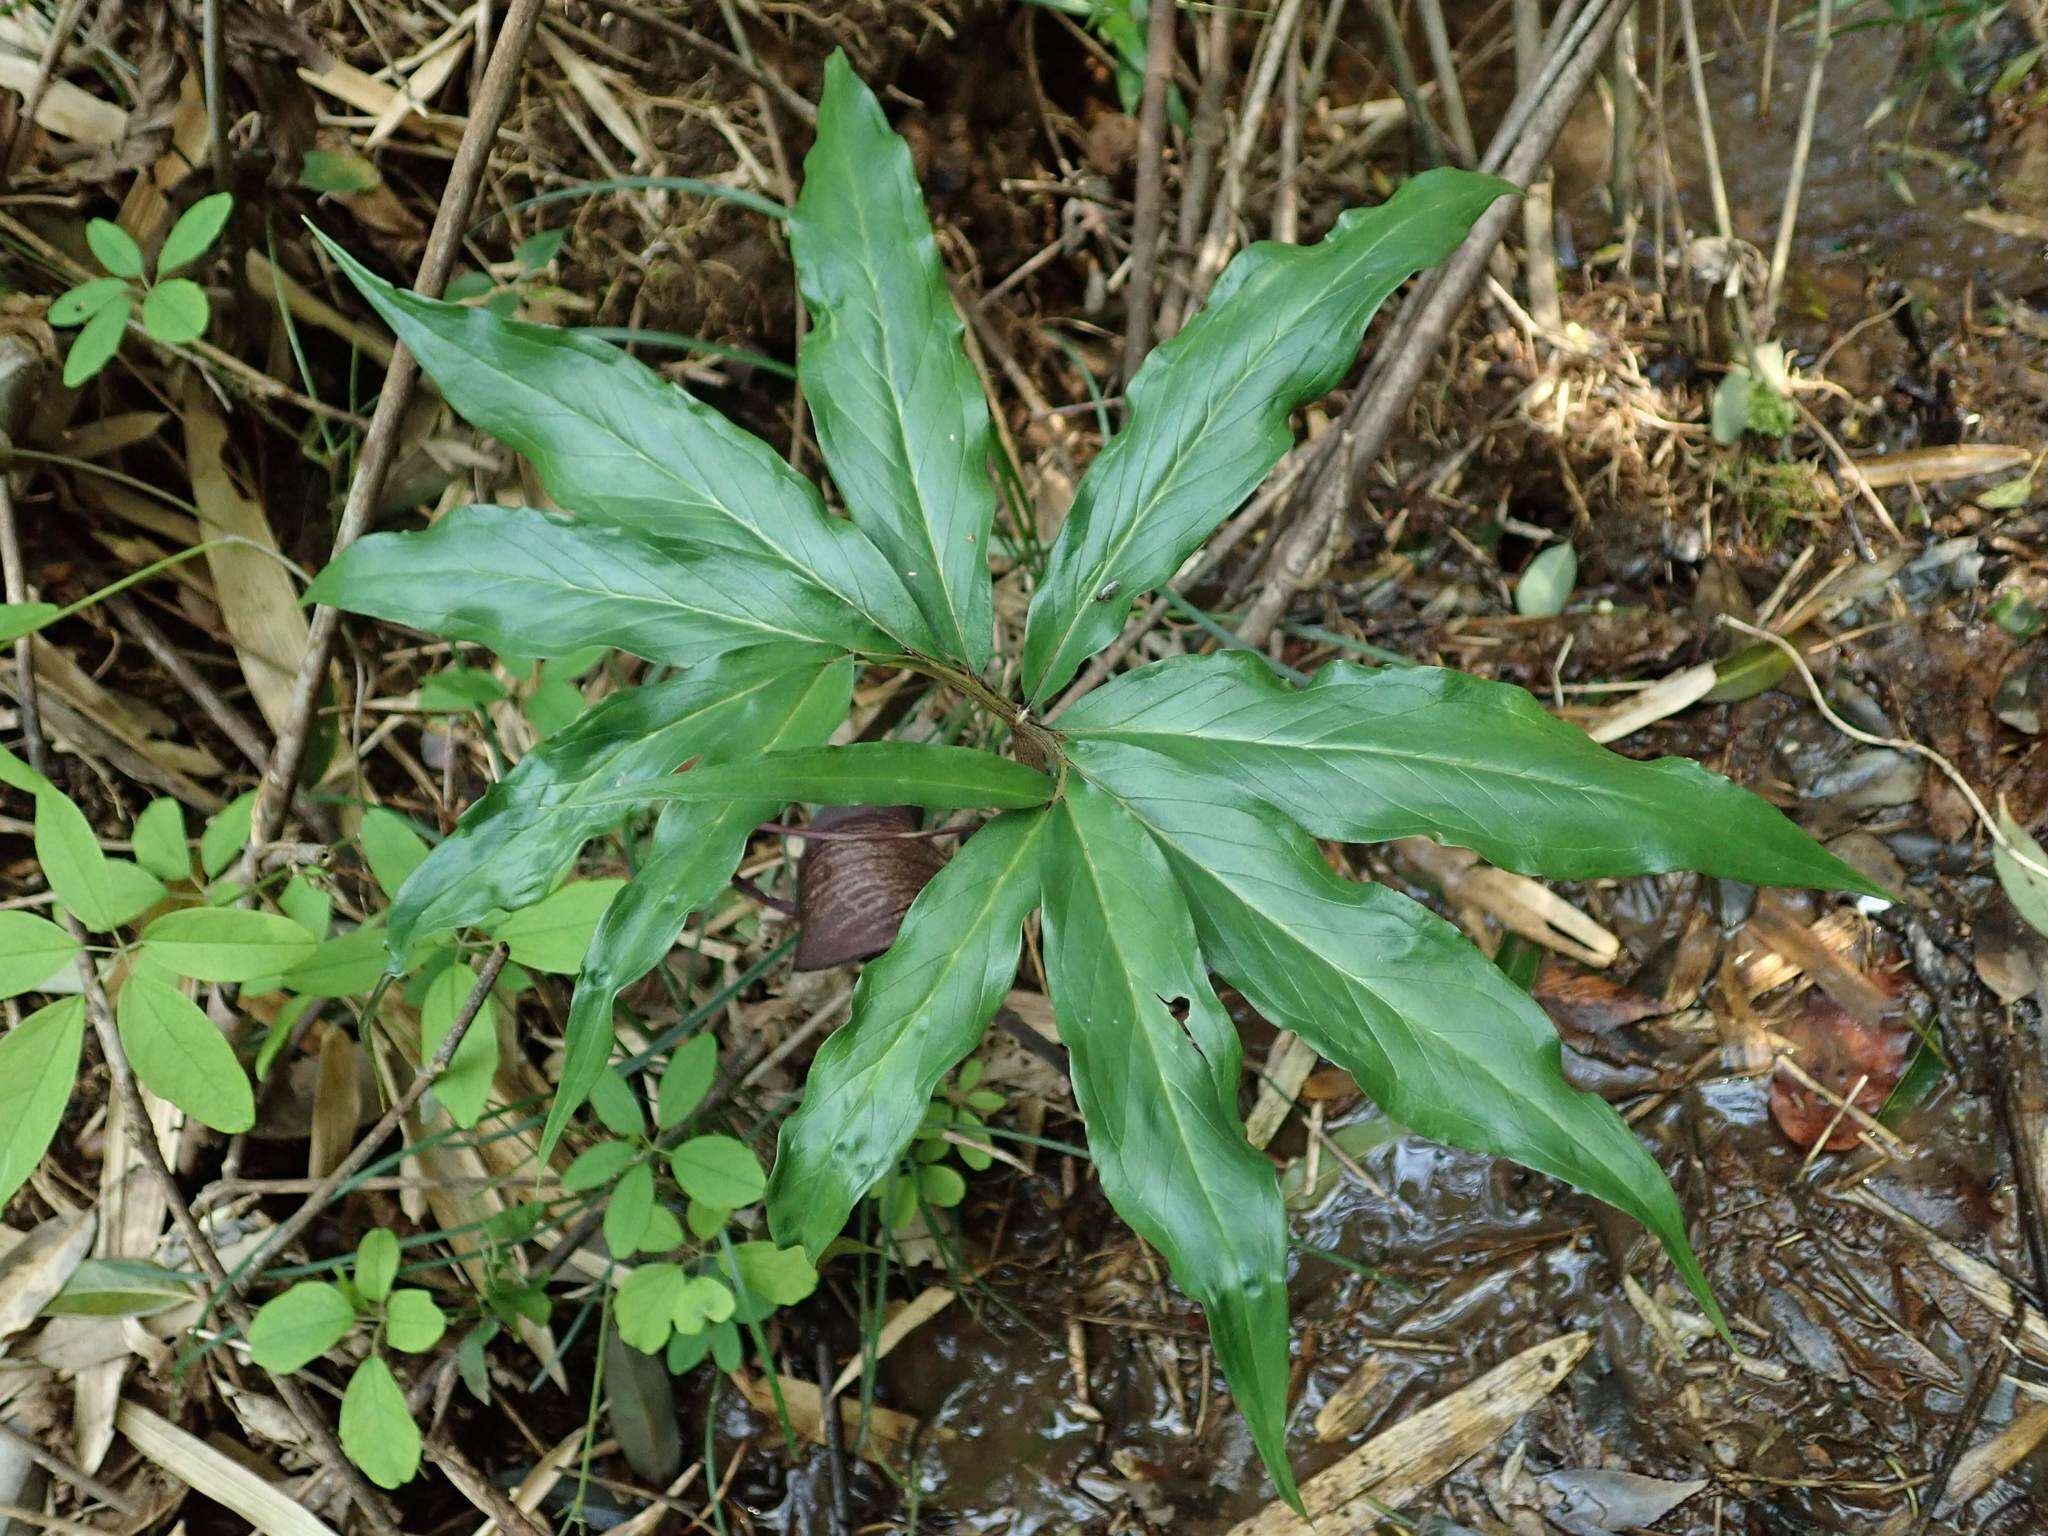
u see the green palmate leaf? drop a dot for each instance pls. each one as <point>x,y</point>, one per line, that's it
<point>391,848</point>
<point>597,1166</point>
<point>899,412</point>
<point>32,950</point>
<point>226,943</point>
<point>1209,409</point>
<point>626,1212</point>
<point>298,1327</point>
<point>176,312</point>
<point>160,841</point>
<point>717,1170</point>
<point>1159,1095</point>
<point>376,1264</point>
<point>179,1053</point>
<point>340,966</point>
<point>644,1307</point>
<point>514,842</point>
<point>115,247</point>
<point>38,1064</point>
<point>97,340</point>
<point>18,619</point>
<point>100,892</point>
<point>866,773</point>
<point>413,1321</point>
<point>917,1011</point>
<point>521,580</point>
<point>194,233</point>
<point>1364,754</point>
<point>226,834</point>
<point>1439,1037</point>
<point>553,934</point>
<point>465,1088</point>
<point>614,442</point>
<point>377,1429</point>
<point>688,1077</point>
<point>74,306</point>
<point>692,855</point>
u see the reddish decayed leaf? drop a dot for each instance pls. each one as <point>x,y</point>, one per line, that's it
<point>852,892</point>
<point>1838,1048</point>
<point>1589,1002</point>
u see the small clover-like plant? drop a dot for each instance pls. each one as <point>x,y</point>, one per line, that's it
<point>300,1325</point>
<point>1164,826</point>
<point>175,309</point>
<point>703,1289</point>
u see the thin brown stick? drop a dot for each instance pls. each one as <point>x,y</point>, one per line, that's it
<point>381,443</point>
<point>1795,180</point>
<point>1149,198</point>
<point>213,68</point>
<point>287,1231</point>
<point>489,1499</point>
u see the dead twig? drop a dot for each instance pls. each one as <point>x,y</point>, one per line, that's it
<point>381,442</point>
<point>1150,196</point>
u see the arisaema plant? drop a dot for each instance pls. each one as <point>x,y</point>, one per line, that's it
<point>1164,828</point>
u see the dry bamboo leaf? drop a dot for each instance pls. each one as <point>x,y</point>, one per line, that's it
<point>1764,969</point>
<point>901,1323</point>
<point>423,84</point>
<point>337,1103</point>
<point>1661,700</point>
<point>227,1482</point>
<point>1933,466</point>
<point>592,84</point>
<point>37,1267</point>
<point>146,210</point>
<point>1983,1464</point>
<point>133,1211</point>
<point>65,110</point>
<point>1288,1065</point>
<point>257,599</point>
<point>889,1432</point>
<point>110,434</point>
<point>1390,1469</point>
<point>1517,903</point>
<point>367,94</point>
<point>1344,1413</point>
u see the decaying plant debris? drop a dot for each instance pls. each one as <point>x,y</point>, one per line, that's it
<point>1741,465</point>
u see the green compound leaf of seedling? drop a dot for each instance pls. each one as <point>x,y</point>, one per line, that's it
<point>95,345</point>
<point>32,950</point>
<point>718,1170</point>
<point>176,312</point>
<point>464,1089</point>
<point>413,1321</point>
<point>179,1053</point>
<point>376,1264</point>
<point>115,248</point>
<point>643,1309</point>
<point>159,841</point>
<point>377,1430</point>
<point>75,306</point>
<point>38,1065</point>
<point>554,933</point>
<point>692,1067</point>
<point>625,1214</point>
<point>292,1330</point>
<point>194,233</point>
<point>226,943</point>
